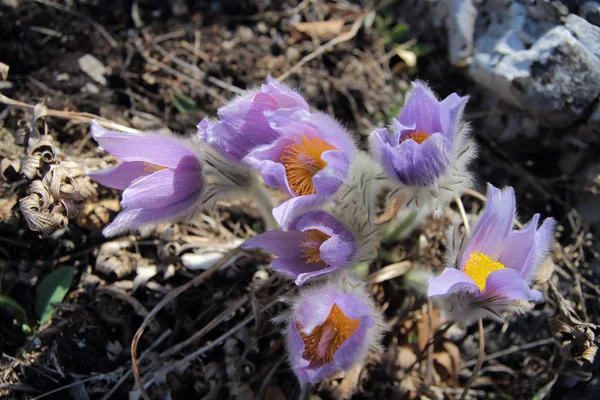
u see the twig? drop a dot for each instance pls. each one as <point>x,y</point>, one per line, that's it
<point>429,365</point>
<point>510,350</point>
<point>436,338</point>
<point>75,117</point>
<point>479,361</point>
<point>166,300</point>
<point>463,214</point>
<point>96,25</point>
<point>344,37</point>
<point>205,329</point>
<point>157,342</point>
<point>178,74</point>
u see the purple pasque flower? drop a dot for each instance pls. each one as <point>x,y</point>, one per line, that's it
<point>310,158</point>
<point>494,270</point>
<point>161,177</point>
<point>427,153</point>
<point>331,328</point>
<point>315,245</point>
<point>242,124</point>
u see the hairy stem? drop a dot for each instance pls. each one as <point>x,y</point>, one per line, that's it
<point>480,358</point>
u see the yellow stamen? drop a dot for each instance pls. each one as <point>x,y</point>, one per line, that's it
<point>417,136</point>
<point>302,160</point>
<point>310,245</point>
<point>149,167</point>
<point>479,267</point>
<point>322,343</point>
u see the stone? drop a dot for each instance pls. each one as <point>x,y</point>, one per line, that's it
<point>527,56</point>
<point>591,12</point>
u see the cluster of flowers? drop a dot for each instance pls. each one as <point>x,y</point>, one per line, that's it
<point>327,226</point>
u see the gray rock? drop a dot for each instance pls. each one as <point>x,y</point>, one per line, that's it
<point>586,33</point>
<point>461,25</point>
<point>591,12</point>
<point>528,57</point>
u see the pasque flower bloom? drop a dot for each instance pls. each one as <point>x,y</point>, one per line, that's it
<point>317,244</point>
<point>429,149</point>
<point>331,328</point>
<point>493,271</point>
<point>161,177</point>
<point>242,124</point>
<point>310,158</point>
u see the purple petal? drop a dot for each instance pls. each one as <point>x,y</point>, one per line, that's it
<point>286,97</point>
<point>494,225</point>
<point>422,111</point>
<point>451,109</point>
<point>451,280</point>
<point>121,176</point>
<point>382,150</point>
<point>288,211</point>
<point>507,284</point>
<point>517,245</point>
<point>540,249</point>
<point>430,160</point>
<point>300,270</point>
<point>130,219</point>
<point>162,150</point>
<point>162,188</point>
<point>278,242</point>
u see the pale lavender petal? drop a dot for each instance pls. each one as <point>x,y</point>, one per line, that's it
<point>517,245</point>
<point>162,150</point>
<point>278,242</point>
<point>321,220</point>
<point>542,243</point>
<point>451,109</point>
<point>494,226</point>
<point>121,176</point>
<point>289,210</point>
<point>130,219</point>
<point>507,284</point>
<point>162,188</point>
<point>379,143</point>
<point>449,281</point>
<point>300,270</point>
<point>430,160</point>
<point>265,159</point>
<point>422,110</point>
<point>329,179</point>
<point>286,97</point>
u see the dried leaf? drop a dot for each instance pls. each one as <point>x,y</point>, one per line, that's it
<point>576,342</point>
<point>6,207</point>
<point>321,29</point>
<point>4,71</point>
<point>9,169</point>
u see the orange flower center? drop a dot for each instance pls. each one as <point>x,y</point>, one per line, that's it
<point>479,267</point>
<point>302,160</point>
<point>149,167</point>
<point>322,343</point>
<point>417,136</point>
<point>310,245</point>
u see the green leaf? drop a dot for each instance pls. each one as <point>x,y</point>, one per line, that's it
<point>52,290</point>
<point>10,305</point>
<point>183,103</point>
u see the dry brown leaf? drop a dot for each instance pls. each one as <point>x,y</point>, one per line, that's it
<point>95,216</point>
<point>9,169</point>
<point>321,29</point>
<point>4,71</point>
<point>6,206</point>
<point>576,341</point>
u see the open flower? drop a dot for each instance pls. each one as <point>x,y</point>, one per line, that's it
<point>310,158</point>
<point>493,271</point>
<point>317,244</point>
<point>161,177</point>
<point>331,328</point>
<point>429,150</point>
<point>243,125</point>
